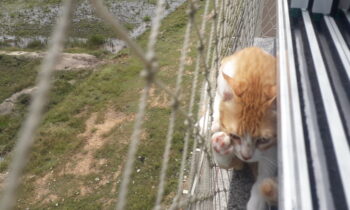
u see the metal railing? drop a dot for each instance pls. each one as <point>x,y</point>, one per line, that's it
<point>314,103</point>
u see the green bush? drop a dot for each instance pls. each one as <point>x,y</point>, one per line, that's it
<point>146,19</point>
<point>24,99</point>
<point>96,41</point>
<point>35,44</point>
<point>4,44</point>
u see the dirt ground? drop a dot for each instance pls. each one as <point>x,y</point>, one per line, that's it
<point>68,61</point>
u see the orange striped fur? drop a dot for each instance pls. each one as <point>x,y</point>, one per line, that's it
<point>254,88</point>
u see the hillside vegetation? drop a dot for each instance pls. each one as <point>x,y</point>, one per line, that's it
<point>80,148</point>
<point>37,17</point>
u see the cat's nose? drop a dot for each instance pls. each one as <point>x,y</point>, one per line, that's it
<point>246,157</point>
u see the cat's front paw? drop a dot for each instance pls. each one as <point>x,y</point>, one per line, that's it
<point>269,190</point>
<point>256,204</point>
<point>223,150</point>
<point>221,143</point>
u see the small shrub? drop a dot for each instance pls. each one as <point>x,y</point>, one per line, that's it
<point>4,44</point>
<point>152,2</point>
<point>4,163</point>
<point>24,99</point>
<point>95,41</point>
<point>100,53</point>
<point>128,26</point>
<point>36,44</point>
<point>75,43</point>
<point>146,19</point>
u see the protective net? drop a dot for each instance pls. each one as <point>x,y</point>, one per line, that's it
<point>224,27</point>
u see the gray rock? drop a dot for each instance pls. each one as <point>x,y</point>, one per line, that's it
<point>241,183</point>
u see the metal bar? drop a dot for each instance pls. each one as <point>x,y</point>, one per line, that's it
<point>340,44</point>
<point>336,39</point>
<point>337,132</point>
<point>287,198</point>
<point>348,16</point>
<point>322,6</point>
<point>299,151</point>
<point>344,5</point>
<point>343,24</point>
<point>325,200</point>
<point>302,4</point>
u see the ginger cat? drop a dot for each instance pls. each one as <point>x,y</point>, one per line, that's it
<point>245,119</point>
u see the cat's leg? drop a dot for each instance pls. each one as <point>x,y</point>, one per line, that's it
<point>267,168</point>
<point>256,200</point>
<point>215,126</point>
<point>263,192</point>
<point>269,189</point>
<point>223,93</point>
<point>223,151</point>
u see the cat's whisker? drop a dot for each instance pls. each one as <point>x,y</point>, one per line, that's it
<point>274,163</point>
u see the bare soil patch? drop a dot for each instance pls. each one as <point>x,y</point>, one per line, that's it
<point>84,163</point>
<point>42,191</point>
<point>67,61</point>
<point>158,100</point>
<point>2,179</point>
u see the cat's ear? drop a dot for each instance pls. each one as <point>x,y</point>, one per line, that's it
<point>238,87</point>
<point>271,94</point>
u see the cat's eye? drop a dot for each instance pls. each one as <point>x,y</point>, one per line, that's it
<point>262,141</point>
<point>235,138</point>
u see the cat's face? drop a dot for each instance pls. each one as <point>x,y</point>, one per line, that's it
<point>250,116</point>
<point>248,142</point>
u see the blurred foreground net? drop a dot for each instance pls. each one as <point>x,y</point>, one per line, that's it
<point>225,26</point>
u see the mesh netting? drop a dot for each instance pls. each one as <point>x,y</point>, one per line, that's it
<point>225,26</point>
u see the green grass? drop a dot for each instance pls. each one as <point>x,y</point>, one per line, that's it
<point>64,82</point>
<point>36,45</point>
<point>16,73</point>
<point>96,41</point>
<point>33,3</point>
<point>147,19</point>
<point>84,28</point>
<point>81,29</point>
<point>115,86</point>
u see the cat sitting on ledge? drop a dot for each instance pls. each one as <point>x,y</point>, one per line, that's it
<point>244,120</point>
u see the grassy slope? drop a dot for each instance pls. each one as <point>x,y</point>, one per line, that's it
<point>15,74</point>
<point>33,3</point>
<point>83,28</point>
<point>18,73</point>
<point>117,87</point>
